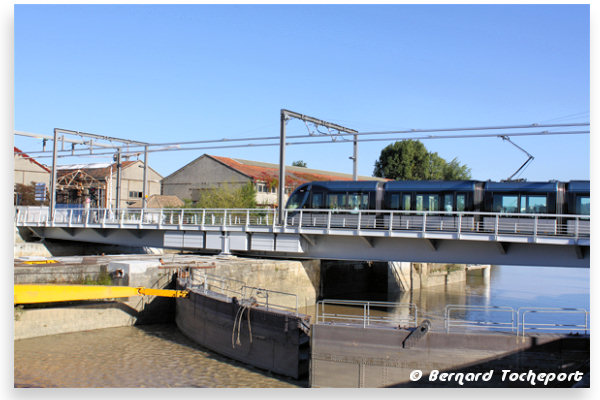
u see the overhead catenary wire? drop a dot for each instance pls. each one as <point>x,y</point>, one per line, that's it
<point>134,144</point>
<point>292,143</point>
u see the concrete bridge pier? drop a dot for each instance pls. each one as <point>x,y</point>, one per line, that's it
<point>406,276</point>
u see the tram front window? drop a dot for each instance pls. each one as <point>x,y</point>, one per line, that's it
<point>295,201</point>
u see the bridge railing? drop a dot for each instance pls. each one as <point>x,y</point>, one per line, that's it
<point>435,221</point>
<point>542,225</point>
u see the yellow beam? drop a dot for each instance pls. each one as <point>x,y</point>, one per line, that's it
<point>28,294</point>
<point>40,262</point>
<point>163,292</point>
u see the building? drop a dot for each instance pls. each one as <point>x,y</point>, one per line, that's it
<point>27,173</point>
<point>207,172</point>
<point>98,183</point>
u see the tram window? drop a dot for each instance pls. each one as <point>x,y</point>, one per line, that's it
<point>533,204</point>
<point>332,201</point>
<point>365,202</point>
<point>505,203</point>
<point>354,201</point>
<point>582,205</point>
<point>295,200</point>
<point>448,202</point>
<point>394,201</point>
<point>460,202</point>
<point>316,201</point>
<point>419,203</point>
<point>406,202</point>
<point>336,200</point>
<point>433,202</point>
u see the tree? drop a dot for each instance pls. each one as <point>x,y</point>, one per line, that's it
<point>410,160</point>
<point>299,163</point>
<point>228,197</point>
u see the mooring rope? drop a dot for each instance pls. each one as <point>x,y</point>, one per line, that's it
<point>238,322</point>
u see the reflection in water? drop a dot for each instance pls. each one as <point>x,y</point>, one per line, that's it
<point>508,286</point>
<point>151,356</point>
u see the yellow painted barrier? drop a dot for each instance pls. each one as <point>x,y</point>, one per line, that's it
<point>29,294</point>
<point>40,262</point>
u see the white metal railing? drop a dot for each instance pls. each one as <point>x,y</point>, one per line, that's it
<point>544,325</point>
<point>270,299</point>
<point>515,321</point>
<point>504,318</point>
<point>349,312</point>
<point>364,221</point>
<point>226,286</point>
<point>247,295</point>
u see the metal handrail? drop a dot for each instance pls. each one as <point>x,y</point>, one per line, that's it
<point>217,284</point>
<point>253,295</point>
<point>463,323</point>
<point>532,326</point>
<point>367,319</point>
<point>247,295</point>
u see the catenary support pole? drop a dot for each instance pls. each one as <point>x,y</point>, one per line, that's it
<point>145,187</point>
<point>118,194</point>
<point>355,159</point>
<point>53,183</point>
<point>280,203</point>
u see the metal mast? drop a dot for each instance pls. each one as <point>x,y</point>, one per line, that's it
<point>287,114</point>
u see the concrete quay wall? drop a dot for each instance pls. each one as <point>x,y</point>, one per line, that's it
<point>294,277</point>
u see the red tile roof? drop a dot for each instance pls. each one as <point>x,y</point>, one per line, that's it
<point>294,176</point>
<point>24,155</point>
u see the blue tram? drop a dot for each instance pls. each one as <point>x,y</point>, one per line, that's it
<point>445,196</point>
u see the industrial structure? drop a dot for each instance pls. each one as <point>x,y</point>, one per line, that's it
<point>76,184</point>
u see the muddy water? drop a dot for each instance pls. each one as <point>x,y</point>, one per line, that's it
<point>156,356</point>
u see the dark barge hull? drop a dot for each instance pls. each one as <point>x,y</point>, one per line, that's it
<point>272,340</point>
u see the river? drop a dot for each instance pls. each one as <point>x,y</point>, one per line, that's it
<point>159,356</point>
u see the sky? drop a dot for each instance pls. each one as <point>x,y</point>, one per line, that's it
<point>158,73</point>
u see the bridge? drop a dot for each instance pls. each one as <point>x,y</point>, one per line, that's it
<point>369,235</point>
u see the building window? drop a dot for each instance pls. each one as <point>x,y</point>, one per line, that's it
<point>135,195</point>
<point>261,187</point>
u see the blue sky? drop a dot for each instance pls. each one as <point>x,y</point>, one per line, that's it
<point>191,72</point>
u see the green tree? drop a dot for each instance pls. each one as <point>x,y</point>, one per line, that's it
<point>228,196</point>
<point>410,160</point>
<point>299,163</point>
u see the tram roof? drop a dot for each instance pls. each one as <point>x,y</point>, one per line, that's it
<point>338,186</point>
<point>579,186</point>
<point>430,185</point>
<point>521,186</point>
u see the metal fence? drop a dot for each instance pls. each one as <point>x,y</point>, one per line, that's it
<point>578,324</point>
<point>498,317</point>
<point>503,318</point>
<point>537,225</point>
<point>246,295</point>
<point>366,313</point>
